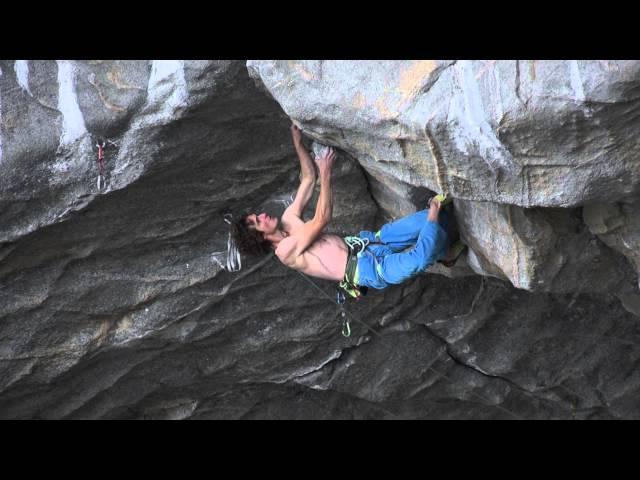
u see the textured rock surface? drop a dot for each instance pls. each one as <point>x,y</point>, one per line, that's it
<point>115,303</point>
<point>506,137</point>
<point>535,133</point>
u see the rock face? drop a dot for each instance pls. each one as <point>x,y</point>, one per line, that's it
<point>115,302</point>
<point>512,141</point>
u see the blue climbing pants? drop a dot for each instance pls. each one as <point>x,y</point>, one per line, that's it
<point>401,250</point>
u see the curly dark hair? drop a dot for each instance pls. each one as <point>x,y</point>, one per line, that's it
<point>248,240</point>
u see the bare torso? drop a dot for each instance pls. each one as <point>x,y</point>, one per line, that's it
<point>325,258</point>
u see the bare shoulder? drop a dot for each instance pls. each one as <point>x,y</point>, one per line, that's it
<point>290,220</point>
<point>286,250</point>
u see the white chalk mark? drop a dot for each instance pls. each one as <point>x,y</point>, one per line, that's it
<point>498,95</point>
<point>285,200</point>
<point>167,86</point>
<point>214,258</point>
<point>469,120</point>
<point>73,126</point>
<point>21,68</point>
<point>578,87</point>
<point>576,81</point>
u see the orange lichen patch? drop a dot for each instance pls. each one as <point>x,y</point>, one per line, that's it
<point>532,70</point>
<point>413,77</point>
<point>306,74</point>
<point>116,108</point>
<point>114,77</point>
<point>383,107</point>
<point>358,101</point>
<point>488,65</point>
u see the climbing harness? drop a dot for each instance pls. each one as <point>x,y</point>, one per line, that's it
<point>349,285</point>
<point>357,244</point>
<point>234,260</point>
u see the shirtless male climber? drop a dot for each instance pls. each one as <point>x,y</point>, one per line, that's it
<point>398,251</point>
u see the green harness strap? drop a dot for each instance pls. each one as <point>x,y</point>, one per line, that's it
<point>350,285</point>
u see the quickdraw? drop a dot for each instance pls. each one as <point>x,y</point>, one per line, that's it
<point>346,326</point>
<point>101,146</point>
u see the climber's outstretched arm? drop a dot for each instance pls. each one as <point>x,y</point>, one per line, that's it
<point>307,178</point>
<point>305,233</point>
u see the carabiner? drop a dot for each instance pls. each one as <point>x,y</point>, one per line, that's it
<point>346,327</point>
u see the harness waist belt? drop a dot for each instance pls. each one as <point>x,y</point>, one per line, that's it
<point>352,261</point>
<point>350,271</point>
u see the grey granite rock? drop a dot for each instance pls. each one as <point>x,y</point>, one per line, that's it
<point>116,303</point>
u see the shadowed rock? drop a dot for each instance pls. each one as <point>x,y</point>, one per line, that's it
<point>115,303</point>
